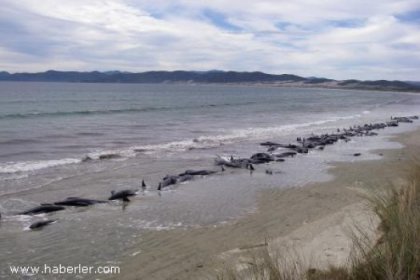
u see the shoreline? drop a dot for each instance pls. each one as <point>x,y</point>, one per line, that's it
<point>297,85</point>
<point>197,253</point>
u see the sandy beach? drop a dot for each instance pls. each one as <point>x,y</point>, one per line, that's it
<point>316,218</point>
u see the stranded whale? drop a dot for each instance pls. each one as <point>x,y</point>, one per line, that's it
<point>78,202</point>
<point>43,208</point>
<point>123,195</point>
<point>40,224</point>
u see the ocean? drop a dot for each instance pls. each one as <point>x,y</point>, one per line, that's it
<point>47,129</point>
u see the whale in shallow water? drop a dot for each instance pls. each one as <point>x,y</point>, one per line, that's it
<point>167,181</point>
<point>109,156</point>
<point>259,158</point>
<point>184,178</point>
<point>123,195</point>
<point>78,202</point>
<point>41,224</point>
<point>198,172</point>
<point>43,208</point>
<point>232,162</point>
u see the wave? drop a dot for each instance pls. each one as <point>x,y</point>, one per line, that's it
<point>252,133</point>
<point>112,111</point>
<point>81,113</point>
<point>90,134</point>
<point>207,142</point>
<point>18,141</point>
<point>26,166</point>
<point>202,142</point>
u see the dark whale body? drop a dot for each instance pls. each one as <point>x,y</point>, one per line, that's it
<point>197,172</point>
<point>123,195</point>
<point>40,224</point>
<point>168,180</point>
<point>78,202</point>
<point>44,208</point>
<point>184,178</point>
<point>109,156</point>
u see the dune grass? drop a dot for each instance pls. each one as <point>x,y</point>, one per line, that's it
<point>263,265</point>
<point>394,256</point>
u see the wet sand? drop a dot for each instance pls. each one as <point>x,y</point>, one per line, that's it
<point>303,212</point>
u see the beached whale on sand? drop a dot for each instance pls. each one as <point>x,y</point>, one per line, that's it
<point>43,208</point>
<point>187,175</point>
<point>169,180</point>
<point>259,158</point>
<point>232,162</point>
<point>122,195</point>
<point>40,224</point>
<point>78,202</point>
<point>285,154</point>
<point>184,178</point>
<point>198,172</point>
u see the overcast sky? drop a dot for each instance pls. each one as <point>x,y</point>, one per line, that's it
<point>363,39</point>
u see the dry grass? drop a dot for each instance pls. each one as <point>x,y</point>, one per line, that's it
<point>397,253</point>
<point>395,256</point>
<point>262,265</point>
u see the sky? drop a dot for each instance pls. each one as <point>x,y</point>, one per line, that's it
<point>357,39</point>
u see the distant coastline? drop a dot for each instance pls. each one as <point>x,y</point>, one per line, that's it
<point>209,77</point>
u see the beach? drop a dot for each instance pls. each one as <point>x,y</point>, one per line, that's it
<point>316,217</point>
<point>85,140</point>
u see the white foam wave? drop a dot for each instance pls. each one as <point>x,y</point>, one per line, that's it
<point>234,136</point>
<point>201,142</point>
<point>121,153</point>
<point>26,166</point>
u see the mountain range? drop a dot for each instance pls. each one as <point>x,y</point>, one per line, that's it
<point>208,77</point>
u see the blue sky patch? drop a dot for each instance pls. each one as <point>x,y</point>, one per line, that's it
<point>346,23</point>
<point>412,16</point>
<point>220,20</point>
<point>282,25</point>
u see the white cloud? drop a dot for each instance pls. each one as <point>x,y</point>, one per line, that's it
<point>337,39</point>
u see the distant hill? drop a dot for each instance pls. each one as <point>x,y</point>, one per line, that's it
<point>214,76</point>
<point>379,84</point>
<point>413,83</point>
<point>148,77</point>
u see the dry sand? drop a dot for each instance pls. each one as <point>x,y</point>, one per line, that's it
<point>316,219</point>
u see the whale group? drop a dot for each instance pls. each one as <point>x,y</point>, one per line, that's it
<point>276,152</point>
<point>279,152</point>
<point>122,195</point>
